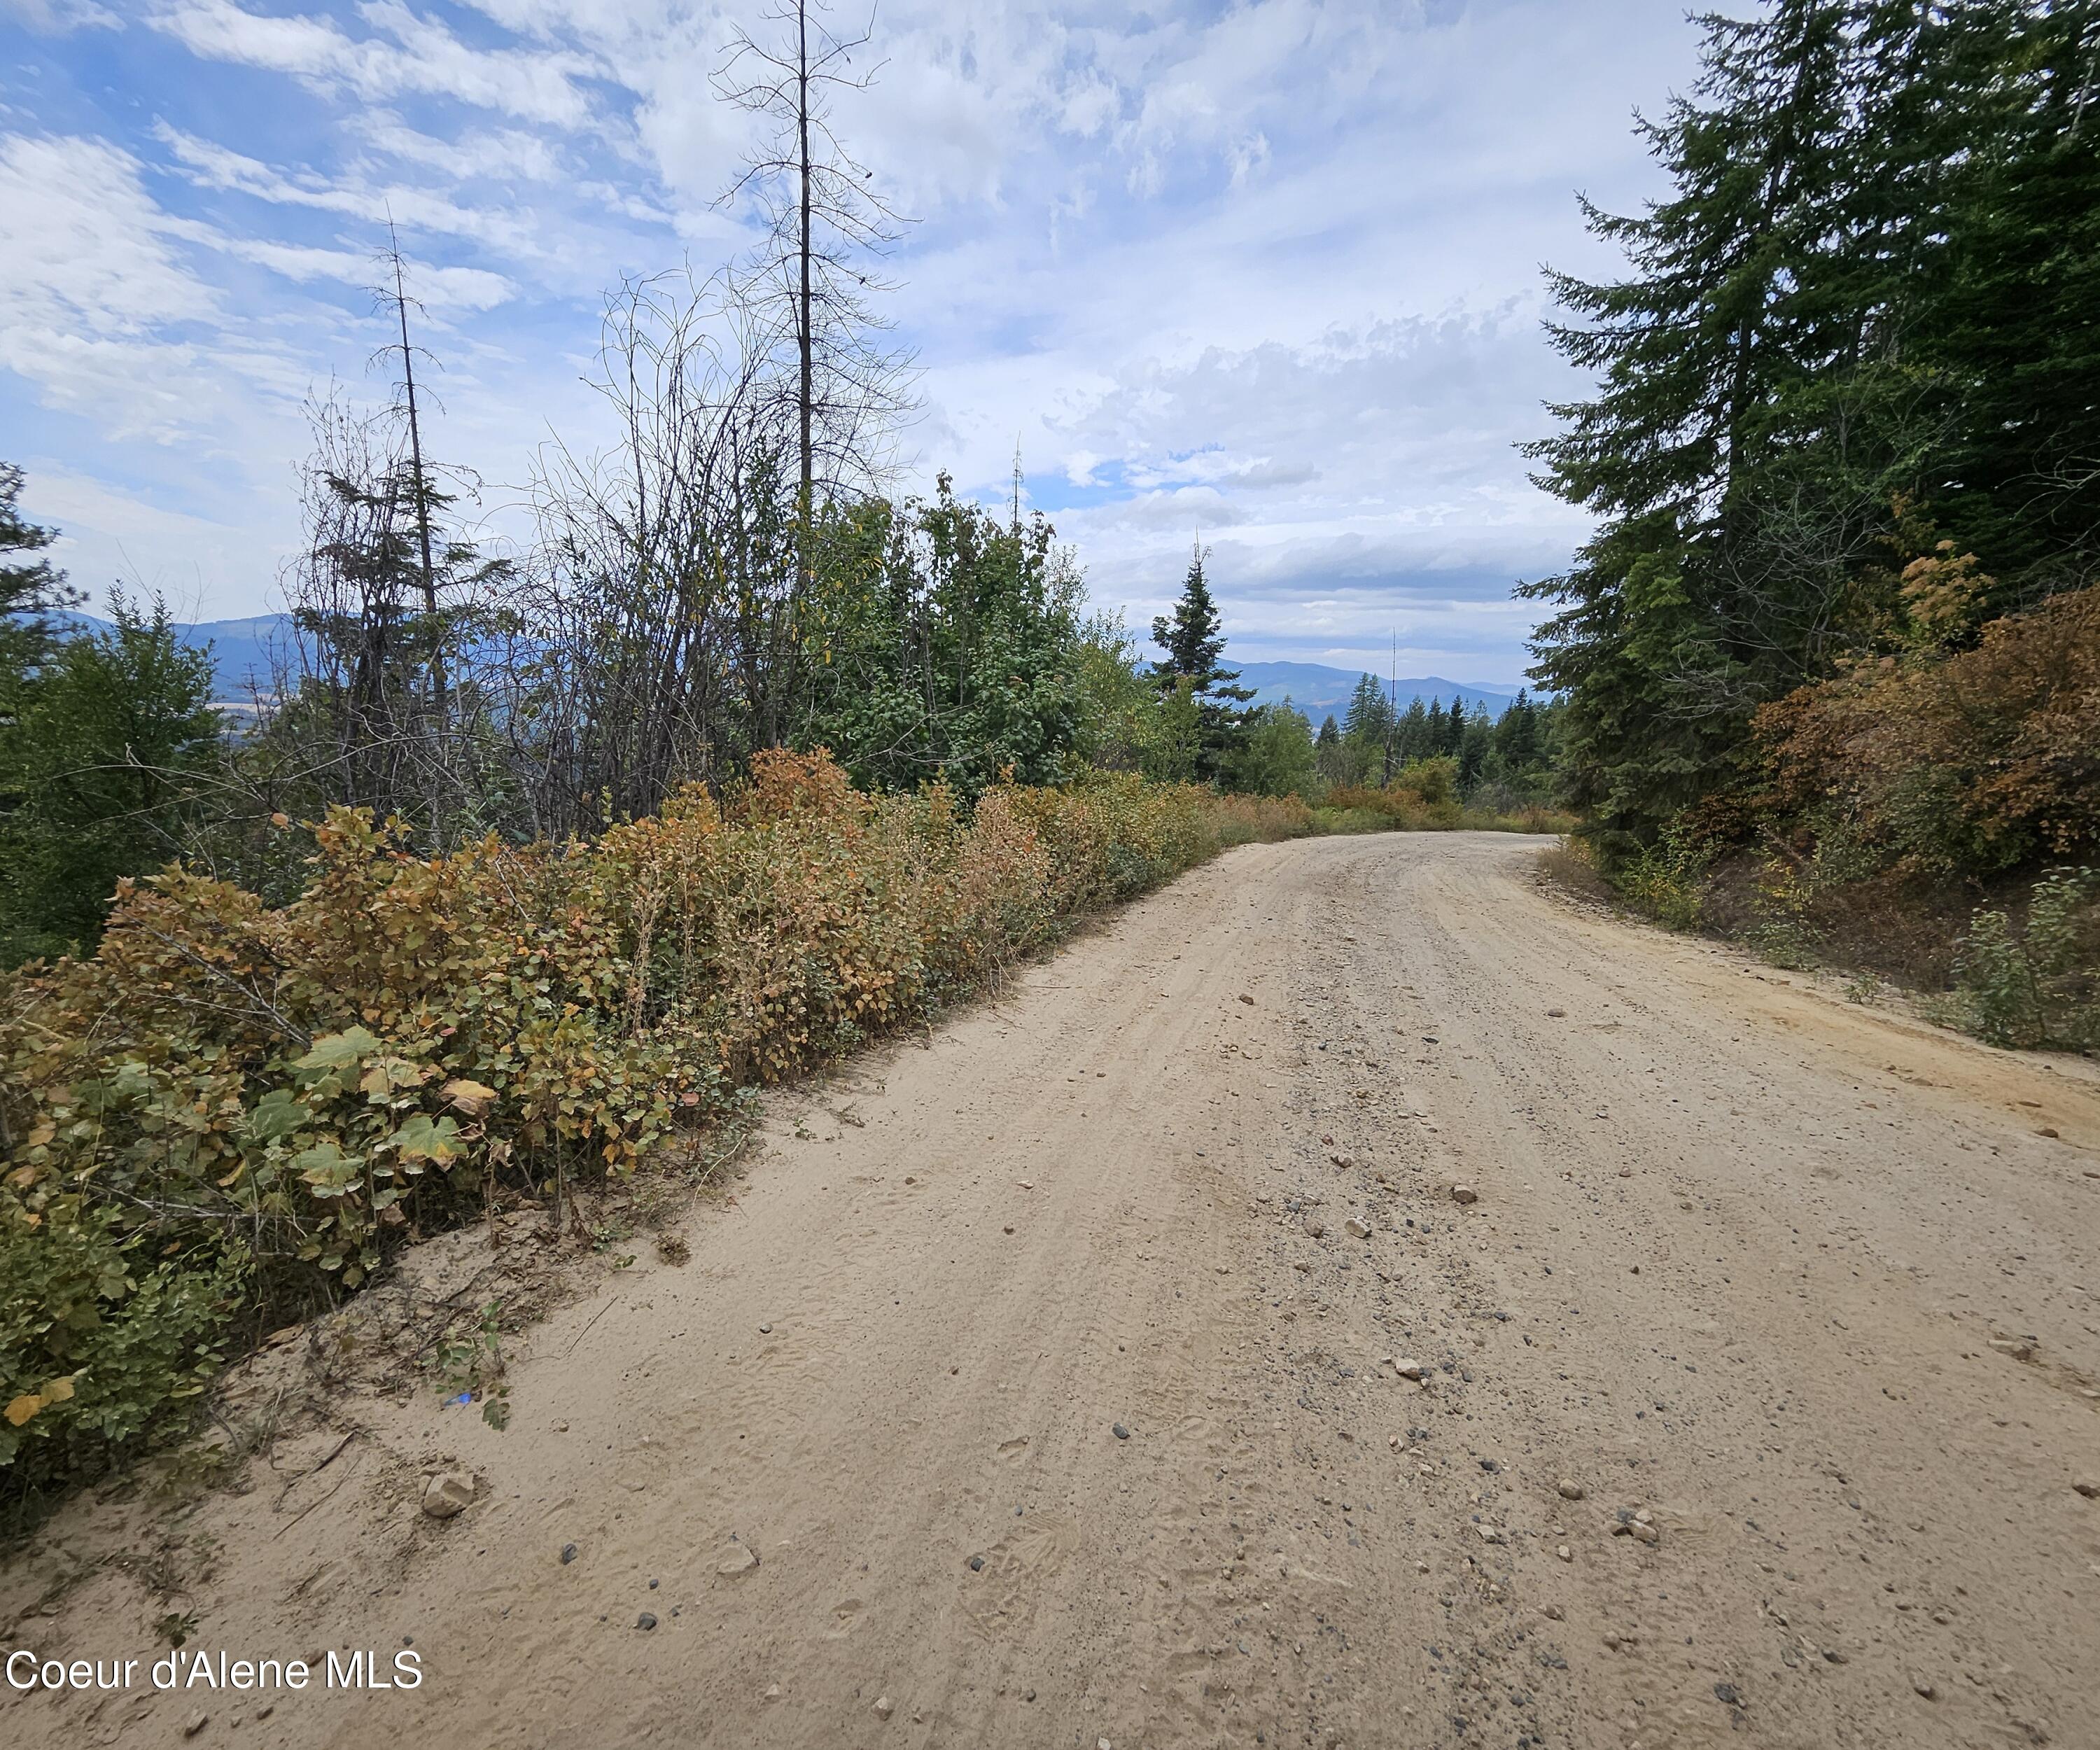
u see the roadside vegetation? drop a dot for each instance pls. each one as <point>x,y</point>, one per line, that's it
<point>249,1051</point>
<point>225,1117</point>
<point>1831,661</point>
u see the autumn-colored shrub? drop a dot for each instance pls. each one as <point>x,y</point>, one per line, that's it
<point>231,1106</point>
<point>1904,813</point>
<point>1400,807</point>
<point>1958,764</point>
<point>1423,797</point>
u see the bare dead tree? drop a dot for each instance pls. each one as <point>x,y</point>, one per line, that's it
<point>391,296</point>
<point>814,278</point>
<point>659,640</point>
<point>394,294</point>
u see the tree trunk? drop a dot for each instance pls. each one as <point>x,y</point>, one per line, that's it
<point>438,699</point>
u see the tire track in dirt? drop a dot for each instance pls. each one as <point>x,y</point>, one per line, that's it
<point>1738,1261</point>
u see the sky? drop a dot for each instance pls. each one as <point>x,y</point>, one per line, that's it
<point>1268,275</point>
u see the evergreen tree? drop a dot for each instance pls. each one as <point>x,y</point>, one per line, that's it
<point>1455,725</point>
<point>1745,437</point>
<point>1191,637</point>
<point>30,589</point>
<point>2007,325</point>
<point>1473,751</point>
<point>1517,742</point>
<point>1368,715</point>
<point>1411,733</point>
<point>106,759</point>
<point>1195,647</point>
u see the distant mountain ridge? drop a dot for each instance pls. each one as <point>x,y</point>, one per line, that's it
<point>242,648</point>
<point>1320,691</point>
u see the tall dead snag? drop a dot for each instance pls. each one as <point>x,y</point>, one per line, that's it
<point>812,281</point>
<point>397,294</point>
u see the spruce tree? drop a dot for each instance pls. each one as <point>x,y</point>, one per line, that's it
<point>30,589</point>
<point>1195,647</point>
<point>1455,725</point>
<point>2009,327</point>
<point>1411,733</point>
<point>1368,715</point>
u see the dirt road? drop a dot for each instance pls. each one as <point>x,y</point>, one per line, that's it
<point>1811,1288</point>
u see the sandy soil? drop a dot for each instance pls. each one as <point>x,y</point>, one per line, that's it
<point>1809,1285</point>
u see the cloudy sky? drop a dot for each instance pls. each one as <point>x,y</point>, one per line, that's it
<point>1266,271</point>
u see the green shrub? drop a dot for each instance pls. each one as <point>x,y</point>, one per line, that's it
<point>2039,986</point>
<point>101,1345</point>
<point>1665,879</point>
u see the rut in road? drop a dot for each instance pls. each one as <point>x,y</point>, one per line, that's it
<point>1801,1286</point>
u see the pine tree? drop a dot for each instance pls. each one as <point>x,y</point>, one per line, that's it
<point>110,749</point>
<point>1368,716</point>
<point>1517,744</point>
<point>1191,637</point>
<point>1474,750</point>
<point>2008,324</point>
<point>1411,733</point>
<point>1455,726</point>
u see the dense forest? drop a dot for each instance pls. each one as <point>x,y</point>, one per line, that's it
<point>1831,660</point>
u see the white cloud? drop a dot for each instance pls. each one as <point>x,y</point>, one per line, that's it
<point>112,535</point>
<point>1271,268</point>
<point>421,56</point>
<point>98,308</point>
<point>443,289</point>
<point>53,18</point>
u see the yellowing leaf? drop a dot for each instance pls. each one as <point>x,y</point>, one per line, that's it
<point>59,1390</point>
<point>22,1408</point>
<point>472,1098</point>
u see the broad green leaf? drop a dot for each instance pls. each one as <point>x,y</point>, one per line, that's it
<point>339,1051</point>
<point>277,1115</point>
<point>327,1169</point>
<point>420,1139</point>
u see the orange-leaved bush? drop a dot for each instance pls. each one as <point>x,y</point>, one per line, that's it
<point>1952,765</point>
